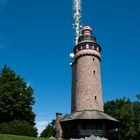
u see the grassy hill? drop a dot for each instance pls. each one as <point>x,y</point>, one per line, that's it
<point>11,137</point>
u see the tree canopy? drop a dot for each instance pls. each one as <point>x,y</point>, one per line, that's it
<point>128,113</point>
<point>16,98</point>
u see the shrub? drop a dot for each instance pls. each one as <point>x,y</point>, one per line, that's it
<point>17,127</point>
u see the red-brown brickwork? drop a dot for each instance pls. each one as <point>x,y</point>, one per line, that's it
<point>86,84</point>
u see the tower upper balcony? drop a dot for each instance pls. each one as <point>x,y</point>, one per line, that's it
<point>87,43</point>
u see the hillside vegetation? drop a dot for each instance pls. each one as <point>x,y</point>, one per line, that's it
<point>12,137</point>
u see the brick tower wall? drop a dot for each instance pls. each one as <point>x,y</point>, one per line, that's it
<point>86,84</point>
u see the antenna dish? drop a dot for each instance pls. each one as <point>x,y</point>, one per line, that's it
<point>72,56</point>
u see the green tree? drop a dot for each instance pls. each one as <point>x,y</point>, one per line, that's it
<point>127,113</point>
<point>16,98</point>
<point>136,112</point>
<point>49,130</point>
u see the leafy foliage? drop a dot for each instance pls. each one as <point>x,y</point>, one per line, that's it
<point>128,113</point>
<point>16,98</point>
<point>17,127</point>
<point>49,130</point>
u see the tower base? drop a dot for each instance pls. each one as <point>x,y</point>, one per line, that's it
<point>90,122</point>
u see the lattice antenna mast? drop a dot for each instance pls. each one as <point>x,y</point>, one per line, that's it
<point>77,18</point>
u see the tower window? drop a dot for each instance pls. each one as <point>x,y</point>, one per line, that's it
<point>98,49</point>
<point>95,98</point>
<point>94,71</point>
<point>93,59</point>
<point>84,47</point>
<point>93,47</point>
<point>87,46</point>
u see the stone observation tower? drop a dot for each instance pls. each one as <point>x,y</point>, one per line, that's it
<point>86,78</point>
<point>87,115</point>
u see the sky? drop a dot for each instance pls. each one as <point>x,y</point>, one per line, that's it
<point>36,38</point>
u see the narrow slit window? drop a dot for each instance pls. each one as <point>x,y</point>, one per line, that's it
<point>95,98</point>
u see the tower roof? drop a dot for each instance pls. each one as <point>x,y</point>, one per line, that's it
<point>89,115</point>
<point>86,30</point>
<point>86,35</point>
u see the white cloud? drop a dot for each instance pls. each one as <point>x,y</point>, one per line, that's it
<point>41,126</point>
<point>3,2</point>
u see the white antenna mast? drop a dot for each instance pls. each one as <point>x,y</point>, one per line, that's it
<point>77,18</point>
